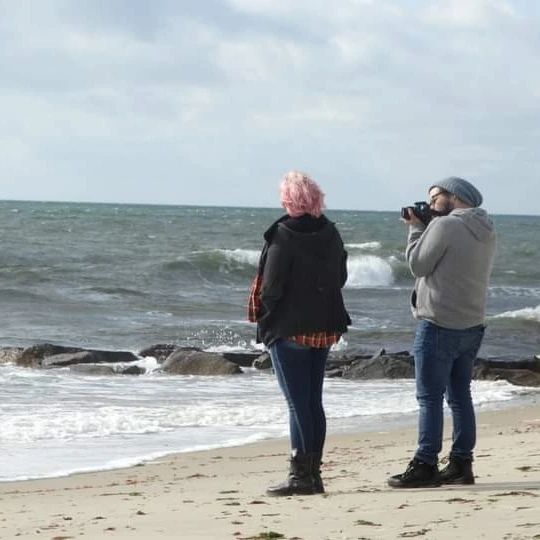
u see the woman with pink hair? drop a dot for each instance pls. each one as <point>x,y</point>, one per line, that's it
<point>297,303</point>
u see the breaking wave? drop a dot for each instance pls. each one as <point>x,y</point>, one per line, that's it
<point>221,261</point>
<point>369,271</point>
<point>366,246</point>
<point>528,314</point>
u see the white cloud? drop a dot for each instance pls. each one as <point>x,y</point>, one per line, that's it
<point>355,48</point>
<point>390,93</point>
<point>303,10</point>
<point>315,112</point>
<point>468,12</point>
<point>259,60</point>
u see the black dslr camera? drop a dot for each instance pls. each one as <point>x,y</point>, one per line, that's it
<point>420,209</point>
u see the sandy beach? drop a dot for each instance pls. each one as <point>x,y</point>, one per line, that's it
<point>220,494</point>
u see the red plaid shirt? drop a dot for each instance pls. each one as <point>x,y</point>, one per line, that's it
<point>254,301</point>
<point>318,340</point>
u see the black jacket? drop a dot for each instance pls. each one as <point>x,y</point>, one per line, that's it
<point>304,267</point>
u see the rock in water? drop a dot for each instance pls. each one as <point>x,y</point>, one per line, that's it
<point>262,361</point>
<point>10,355</point>
<point>34,355</point>
<point>385,366</point>
<point>199,363</point>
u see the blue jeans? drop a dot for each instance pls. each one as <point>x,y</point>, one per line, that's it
<point>443,360</point>
<point>300,374</point>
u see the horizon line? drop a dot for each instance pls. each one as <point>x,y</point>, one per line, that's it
<point>172,205</point>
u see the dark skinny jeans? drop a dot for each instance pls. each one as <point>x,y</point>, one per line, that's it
<point>300,374</point>
<point>444,360</point>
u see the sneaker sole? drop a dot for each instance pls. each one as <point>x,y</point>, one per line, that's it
<point>416,485</point>
<point>291,493</point>
<point>459,481</point>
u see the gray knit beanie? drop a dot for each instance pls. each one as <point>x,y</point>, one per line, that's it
<point>462,189</point>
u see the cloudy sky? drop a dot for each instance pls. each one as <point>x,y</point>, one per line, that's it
<point>211,101</point>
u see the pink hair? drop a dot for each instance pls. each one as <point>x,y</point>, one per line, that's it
<point>301,195</point>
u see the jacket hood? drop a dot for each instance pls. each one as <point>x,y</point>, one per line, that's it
<point>269,233</point>
<point>477,222</point>
<point>303,226</point>
<point>314,240</point>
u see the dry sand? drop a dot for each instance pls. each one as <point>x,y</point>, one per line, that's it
<point>220,494</point>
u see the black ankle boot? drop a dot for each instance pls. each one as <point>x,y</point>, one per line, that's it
<point>458,471</point>
<point>418,474</point>
<point>299,481</point>
<point>318,485</point>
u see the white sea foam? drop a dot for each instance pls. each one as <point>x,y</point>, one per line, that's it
<point>341,345</point>
<point>363,323</point>
<point>243,256</point>
<point>369,271</point>
<point>367,246</point>
<point>148,363</point>
<point>101,422</point>
<point>364,270</point>
<point>241,347</point>
<point>514,292</point>
<point>528,314</point>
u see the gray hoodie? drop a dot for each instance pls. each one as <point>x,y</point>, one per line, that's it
<point>452,260</point>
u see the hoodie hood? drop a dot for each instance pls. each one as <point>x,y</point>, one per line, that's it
<point>477,222</point>
<point>269,233</point>
<point>304,226</point>
<point>315,241</point>
<point>308,234</point>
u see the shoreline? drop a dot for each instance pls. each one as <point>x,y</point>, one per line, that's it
<point>220,493</point>
<point>391,421</point>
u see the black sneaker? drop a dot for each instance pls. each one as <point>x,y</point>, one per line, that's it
<point>418,474</point>
<point>458,471</point>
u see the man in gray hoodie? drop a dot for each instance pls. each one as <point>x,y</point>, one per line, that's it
<point>451,260</point>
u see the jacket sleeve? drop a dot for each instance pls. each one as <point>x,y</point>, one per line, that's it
<point>425,248</point>
<point>344,274</point>
<point>275,275</point>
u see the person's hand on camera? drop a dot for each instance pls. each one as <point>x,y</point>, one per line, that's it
<point>410,218</point>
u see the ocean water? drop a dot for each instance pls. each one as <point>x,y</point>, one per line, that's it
<point>55,423</point>
<point>127,276</point>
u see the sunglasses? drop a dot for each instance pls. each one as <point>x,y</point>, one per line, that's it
<point>433,198</point>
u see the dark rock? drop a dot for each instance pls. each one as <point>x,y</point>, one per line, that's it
<point>133,370</point>
<point>333,373</point>
<point>101,369</point>
<point>263,361</point>
<point>92,369</point>
<point>33,356</point>
<point>106,357</point>
<point>67,359</point>
<point>160,352</point>
<point>183,362</point>
<point>407,354</point>
<point>354,357</point>
<point>357,351</point>
<point>509,362</point>
<point>243,359</point>
<point>10,355</point>
<point>519,377</point>
<point>386,366</point>
<point>87,357</point>
<point>336,361</point>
